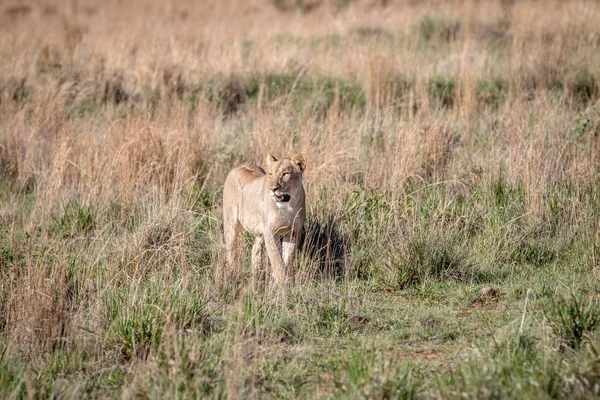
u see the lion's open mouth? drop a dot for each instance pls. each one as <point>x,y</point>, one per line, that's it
<point>281,198</point>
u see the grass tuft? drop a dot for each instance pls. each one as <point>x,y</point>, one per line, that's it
<point>428,260</point>
<point>76,219</point>
<point>438,29</point>
<point>443,91</point>
<point>136,333</point>
<point>572,319</point>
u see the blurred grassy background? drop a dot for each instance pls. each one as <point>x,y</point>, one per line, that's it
<point>452,246</point>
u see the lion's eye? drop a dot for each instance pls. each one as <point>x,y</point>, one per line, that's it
<point>286,173</point>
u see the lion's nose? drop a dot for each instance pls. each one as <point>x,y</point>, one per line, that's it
<point>276,187</point>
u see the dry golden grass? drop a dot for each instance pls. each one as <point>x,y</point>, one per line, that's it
<point>448,141</point>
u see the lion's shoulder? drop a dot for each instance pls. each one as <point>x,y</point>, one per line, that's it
<point>247,172</point>
<point>252,169</point>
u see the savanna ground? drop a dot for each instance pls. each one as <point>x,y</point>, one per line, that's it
<point>452,147</point>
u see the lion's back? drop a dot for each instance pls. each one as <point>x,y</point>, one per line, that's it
<point>244,175</point>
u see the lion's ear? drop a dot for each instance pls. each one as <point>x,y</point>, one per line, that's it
<point>269,159</point>
<point>299,161</point>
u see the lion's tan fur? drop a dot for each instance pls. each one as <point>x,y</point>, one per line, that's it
<point>270,204</point>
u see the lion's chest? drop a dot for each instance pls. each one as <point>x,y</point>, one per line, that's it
<point>284,217</point>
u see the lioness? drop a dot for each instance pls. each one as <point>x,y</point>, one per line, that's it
<point>270,205</point>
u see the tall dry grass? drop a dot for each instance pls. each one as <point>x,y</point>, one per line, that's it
<point>120,120</point>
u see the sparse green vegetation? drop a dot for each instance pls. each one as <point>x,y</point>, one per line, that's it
<point>438,28</point>
<point>492,91</point>
<point>443,90</point>
<point>451,248</point>
<point>573,319</point>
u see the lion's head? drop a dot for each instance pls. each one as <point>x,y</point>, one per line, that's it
<point>284,176</point>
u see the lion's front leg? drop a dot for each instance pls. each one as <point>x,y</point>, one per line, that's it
<point>257,271</point>
<point>273,246</point>
<point>289,252</point>
<point>290,247</point>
